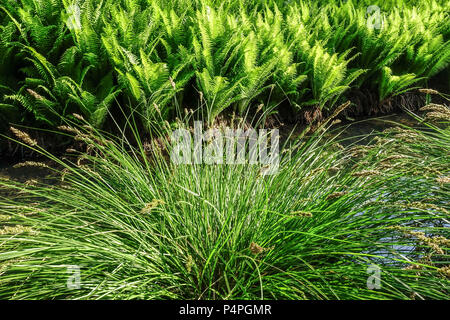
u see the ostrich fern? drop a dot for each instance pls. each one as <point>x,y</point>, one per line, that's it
<point>57,65</point>
<point>158,57</point>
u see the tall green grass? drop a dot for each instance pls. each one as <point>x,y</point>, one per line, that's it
<point>141,227</point>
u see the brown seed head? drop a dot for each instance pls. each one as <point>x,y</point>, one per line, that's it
<point>428,91</point>
<point>255,248</point>
<point>25,137</point>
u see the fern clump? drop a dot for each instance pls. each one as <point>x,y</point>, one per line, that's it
<point>159,57</point>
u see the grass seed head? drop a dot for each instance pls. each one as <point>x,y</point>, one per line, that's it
<point>367,173</point>
<point>445,271</point>
<point>437,116</point>
<point>256,248</point>
<point>25,137</point>
<point>15,230</point>
<point>303,214</point>
<point>172,83</point>
<point>30,164</point>
<point>35,95</point>
<point>4,218</point>
<point>435,107</point>
<point>335,195</point>
<point>69,129</point>
<point>428,91</point>
<point>443,180</point>
<point>189,263</point>
<point>151,205</point>
<point>394,157</point>
<point>79,117</point>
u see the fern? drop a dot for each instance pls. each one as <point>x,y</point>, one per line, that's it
<point>158,56</point>
<point>392,85</point>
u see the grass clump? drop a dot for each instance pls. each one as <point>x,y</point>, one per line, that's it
<point>139,227</point>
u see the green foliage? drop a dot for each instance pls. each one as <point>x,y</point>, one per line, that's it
<point>140,227</point>
<point>391,85</point>
<point>57,72</point>
<point>158,57</point>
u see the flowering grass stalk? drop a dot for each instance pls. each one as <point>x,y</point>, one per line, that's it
<point>126,224</point>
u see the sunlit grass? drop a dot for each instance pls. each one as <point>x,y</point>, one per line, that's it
<point>141,227</point>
